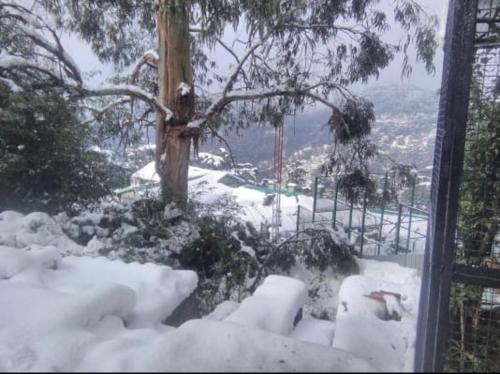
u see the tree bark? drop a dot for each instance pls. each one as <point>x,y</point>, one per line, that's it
<point>173,137</point>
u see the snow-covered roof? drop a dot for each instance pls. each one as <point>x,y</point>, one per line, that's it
<point>205,186</point>
<point>147,173</point>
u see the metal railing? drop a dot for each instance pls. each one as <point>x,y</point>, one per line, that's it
<point>376,230</point>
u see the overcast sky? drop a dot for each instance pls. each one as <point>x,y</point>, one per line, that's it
<point>392,75</point>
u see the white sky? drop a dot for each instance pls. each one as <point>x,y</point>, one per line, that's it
<point>88,62</point>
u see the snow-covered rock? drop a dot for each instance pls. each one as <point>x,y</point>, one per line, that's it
<point>387,344</point>
<point>273,306</point>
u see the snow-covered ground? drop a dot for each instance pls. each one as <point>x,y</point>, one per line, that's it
<point>206,186</point>
<point>93,314</point>
<point>62,310</point>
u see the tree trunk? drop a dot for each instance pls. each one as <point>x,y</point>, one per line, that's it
<point>173,138</point>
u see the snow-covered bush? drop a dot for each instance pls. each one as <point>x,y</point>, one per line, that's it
<point>32,230</point>
<point>317,249</point>
<point>224,259</point>
<point>142,231</point>
<point>220,249</point>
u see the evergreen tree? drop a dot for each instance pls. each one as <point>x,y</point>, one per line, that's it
<point>295,52</point>
<point>45,161</point>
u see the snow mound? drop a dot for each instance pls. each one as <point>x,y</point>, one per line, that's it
<point>222,310</point>
<point>213,346</point>
<point>159,289</point>
<point>315,331</point>
<point>93,314</point>
<point>273,306</point>
<point>19,231</point>
<point>14,261</point>
<point>68,305</point>
<point>387,344</point>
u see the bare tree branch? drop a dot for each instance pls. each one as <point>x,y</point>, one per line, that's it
<point>236,71</point>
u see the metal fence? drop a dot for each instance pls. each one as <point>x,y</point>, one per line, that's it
<point>384,228</point>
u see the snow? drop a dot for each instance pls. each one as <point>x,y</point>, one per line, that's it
<point>83,314</point>
<point>197,177</point>
<point>75,301</point>
<point>196,123</point>
<point>254,211</point>
<point>106,152</point>
<point>147,173</point>
<point>216,346</point>
<point>152,53</point>
<point>273,306</point>
<point>8,61</point>
<point>204,186</point>
<point>210,159</point>
<point>159,289</point>
<point>19,231</point>
<point>212,346</point>
<point>223,310</point>
<point>184,89</point>
<point>323,290</point>
<point>13,87</point>
<point>127,90</point>
<point>387,344</point>
<point>51,47</point>
<point>315,331</point>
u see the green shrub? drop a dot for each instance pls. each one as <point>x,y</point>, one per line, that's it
<point>45,161</point>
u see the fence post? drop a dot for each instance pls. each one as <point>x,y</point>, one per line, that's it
<point>334,218</point>
<point>298,218</point>
<point>382,215</point>
<point>315,198</point>
<point>412,202</point>
<point>400,210</point>
<point>350,220</point>
<point>363,223</point>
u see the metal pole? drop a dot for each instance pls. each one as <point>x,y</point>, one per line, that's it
<point>298,218</point>
<point>434,319</point>
<point>350,220</point>
<point>315,198</point>
<point>334,218</point>
<point>412,201</point>
<point>398,226</point>
<point>363,223</point>
<point>382,215</point>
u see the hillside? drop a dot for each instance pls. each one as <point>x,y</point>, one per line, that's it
<point>406,117</point>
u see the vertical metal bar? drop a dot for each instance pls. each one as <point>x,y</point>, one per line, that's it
<point>398,226</point>
<point>350,220</point>
<point>298,218</point>
<point>382,215</point>
<point>433,318</point>
<point>315,198</point>
<point>412,202</point>
<point>334,218</point>
<point>363,223</point>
